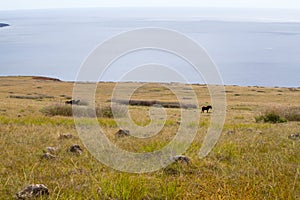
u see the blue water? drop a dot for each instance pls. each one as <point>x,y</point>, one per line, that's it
<point>247,51</point>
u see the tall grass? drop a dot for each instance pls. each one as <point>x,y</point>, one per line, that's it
<point>57,110</point>
<point>291,113</point>
<point>81,111</point>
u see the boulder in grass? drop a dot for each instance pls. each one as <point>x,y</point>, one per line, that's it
<point>122,133</point>
<point>76,149</point>
<point>48,156</point>
<point>73,102</point>
<point>66,136</point>
<point>182,159</point>
<point>51,149</point>
<point>295,136</point>
<point>32,191</point>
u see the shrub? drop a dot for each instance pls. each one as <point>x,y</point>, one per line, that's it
<point>105,112</point>
<point>271,117</point>
<point>280,115</point>
<point>61,110</point>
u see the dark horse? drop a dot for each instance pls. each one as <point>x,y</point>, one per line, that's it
<point>72,102</point>
<point>206,108</point>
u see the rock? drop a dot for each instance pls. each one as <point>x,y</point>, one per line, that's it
<point>295,136</point>
<point>230,132</point>
<point>32,191</point>
<point>3,25</point>
<point>123,132</point>
<point>73,102</point>
<point>183,159</point>
<point>76,149</point>
<point>66,136</point>
<point>48,156</point>
<point>51,149</point>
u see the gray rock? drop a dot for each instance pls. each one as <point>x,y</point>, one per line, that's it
<point>295,136</point>
<point>230,132</point>
<point>66,136</point>
<point>32,191</point>
<point>51,149</point>
<point>48,156</point>
<point>123,132</point>
<point>182,159</point>
<point>76,149</point>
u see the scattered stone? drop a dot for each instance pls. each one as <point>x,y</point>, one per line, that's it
<point>123,132</point>
<point>19,115</point>
<point>48,156</point>
<point>295,136</point>
<point>250,130</point>
<point>32,191</point>
<point>66,136</point>
<point>183,159</point>
<point>76,149</point>
<point>230,132</point>
<point>179,122</point>
<point>259,132</point>
<point>51,149</point>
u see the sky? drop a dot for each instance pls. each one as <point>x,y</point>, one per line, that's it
<point>45,4</point>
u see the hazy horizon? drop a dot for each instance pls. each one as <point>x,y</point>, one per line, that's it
<point>184,13</point>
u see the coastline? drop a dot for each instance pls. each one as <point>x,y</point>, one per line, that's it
<point>56,79</point>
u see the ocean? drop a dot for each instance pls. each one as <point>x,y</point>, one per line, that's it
<point>249,48</point>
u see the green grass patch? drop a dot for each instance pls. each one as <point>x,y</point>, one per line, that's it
<point>55,121</point>
<point>37,121</point>
<point>246,126</point>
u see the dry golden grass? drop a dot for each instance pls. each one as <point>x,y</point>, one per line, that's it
<point>250,161</point>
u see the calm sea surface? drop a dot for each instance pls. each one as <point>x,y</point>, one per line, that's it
<point>56,42</point>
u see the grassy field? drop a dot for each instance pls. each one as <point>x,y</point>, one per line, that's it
<point>250,161</point>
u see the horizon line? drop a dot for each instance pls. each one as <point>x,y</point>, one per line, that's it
<point>145,7</point>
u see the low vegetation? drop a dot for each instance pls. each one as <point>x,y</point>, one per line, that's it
<point>153,103</point>
<point>280,115</point>
<point>271,117</point>
<point>31,97</point>
<point>250,161</point>
<point>81,111</point>
<point>58,110</point>
<point>292,113</point>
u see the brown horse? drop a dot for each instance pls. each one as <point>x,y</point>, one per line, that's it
<point>206,108</point>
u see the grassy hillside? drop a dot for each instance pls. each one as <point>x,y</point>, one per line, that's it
<point>252,160</point>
